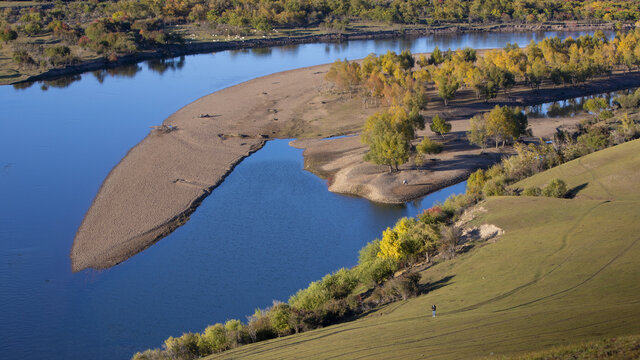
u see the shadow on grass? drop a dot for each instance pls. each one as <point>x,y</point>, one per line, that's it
<point>428,287</point>
<point>575,190</point>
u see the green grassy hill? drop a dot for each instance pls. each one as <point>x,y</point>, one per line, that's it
<point>565,271</point>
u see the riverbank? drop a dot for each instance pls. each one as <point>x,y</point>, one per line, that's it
<point>195,46</point>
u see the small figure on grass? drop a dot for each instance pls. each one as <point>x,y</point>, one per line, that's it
<point>433,310</point>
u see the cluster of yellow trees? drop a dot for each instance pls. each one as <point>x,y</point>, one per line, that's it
<point>401,82</point>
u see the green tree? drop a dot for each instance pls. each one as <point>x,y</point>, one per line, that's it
<point>503,123</point>
<point>440,126</point>
<point>8,34</point>
<point>477,133</point>
<point>428,146</point>
<point>388,135</point>
<point>447,85</point>
<point>555,188</point>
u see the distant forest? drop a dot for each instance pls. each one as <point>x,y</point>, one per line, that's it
<point>112,28</point>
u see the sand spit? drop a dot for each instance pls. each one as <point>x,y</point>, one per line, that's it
<point>161,181</point>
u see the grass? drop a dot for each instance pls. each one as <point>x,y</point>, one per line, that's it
<point>605,175</point>
<point>626,347</point>
<point>564,272</point>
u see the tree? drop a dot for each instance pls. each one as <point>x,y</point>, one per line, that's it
<point>436,57</point>
<point>502,123</point>
<point>7,34</point>
<point>477,133</point>
<point>345,75</point>
<point>428,146</point>
<point>388,135</point>
<point>447,85</point>
<point>440,126</point>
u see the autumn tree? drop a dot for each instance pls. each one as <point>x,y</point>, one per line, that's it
<point>389,134</point>
<point>440,126</point>
<point>503,123</point>
<point>344,75</point>
<point>477,133</point>
<point>8,34</point>
<point>446,83</point>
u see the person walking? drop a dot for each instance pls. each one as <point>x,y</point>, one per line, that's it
<point>433,310</point>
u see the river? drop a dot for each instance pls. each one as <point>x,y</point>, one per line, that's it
<point>268,230</point>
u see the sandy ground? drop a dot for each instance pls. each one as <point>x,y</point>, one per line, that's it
<point>163,179</point>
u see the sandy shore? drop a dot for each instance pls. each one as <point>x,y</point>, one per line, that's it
<point>163,179</point>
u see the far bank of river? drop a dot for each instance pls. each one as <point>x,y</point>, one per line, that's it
<point>250,242</point>
<point>200,47</point>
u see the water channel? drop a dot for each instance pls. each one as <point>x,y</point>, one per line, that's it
<point>268,230</point>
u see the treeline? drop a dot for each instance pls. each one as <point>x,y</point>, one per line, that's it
<point>127,26</point>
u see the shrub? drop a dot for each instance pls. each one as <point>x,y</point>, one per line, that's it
<point>494,187</point>
<point>476,182</point>
<point>428,146</point>
<point>58,55</point>
<point>333,286</point>
<point>279,316</point>
<point>213,340</point>
<point>259,327</point>
<point>532,191</point>
<point>22,57</point>
<point>449,241</point>
<point>374,272</point>
<point>595,139</point>
<point>7,34</point>
<point>556,188</point>
<point>183,347</point>
<point>155,354</point>
<point>369,252</point>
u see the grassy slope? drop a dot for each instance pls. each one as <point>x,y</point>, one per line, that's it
<point>565,271</point>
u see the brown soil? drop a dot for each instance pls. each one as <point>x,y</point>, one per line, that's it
<point>163,179</point>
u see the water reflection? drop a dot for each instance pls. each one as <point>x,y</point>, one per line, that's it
<point>125,71</point>
<point>60,83</point>
<point>262,51</point>
<point>570,107</point>
<point>160,66</point>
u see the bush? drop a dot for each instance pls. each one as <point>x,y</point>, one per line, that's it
<point>7,34</point>
<point>374,272</point>
<point>155,354</point>
<point>476,182</point>
<point>183,347</point>
<point>369,252</point>
<point>428,146</point>
<point>58,55</point>
<point>22,57</point>
<point>532,191</point>
<point>556,188</point>
<point>333,286</point>
<point>494,187</point>
<point>259,327</point>
<point>450,237</point>
<point>279,316</point>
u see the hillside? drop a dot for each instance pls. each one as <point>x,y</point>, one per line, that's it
<point>565,271</point>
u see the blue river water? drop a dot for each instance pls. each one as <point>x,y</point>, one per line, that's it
<point>266,232</point>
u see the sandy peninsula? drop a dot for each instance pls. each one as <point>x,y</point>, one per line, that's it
<point>164,178</point>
